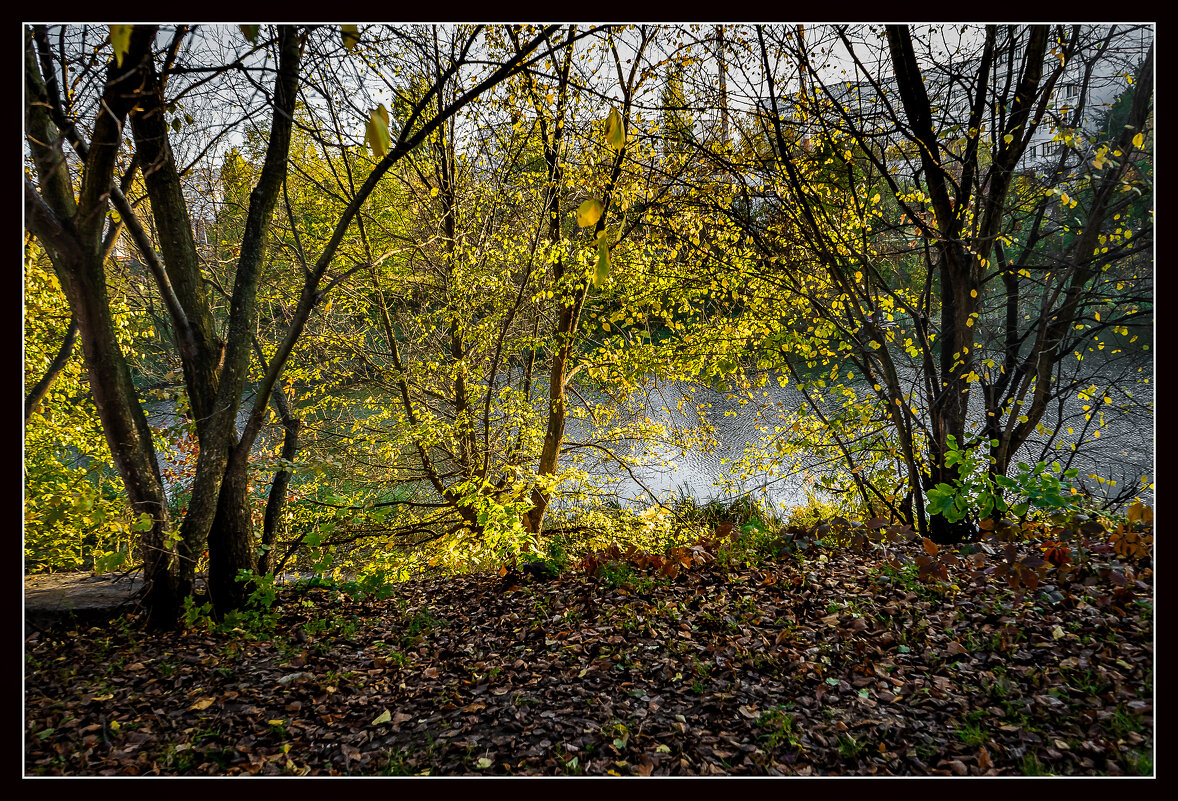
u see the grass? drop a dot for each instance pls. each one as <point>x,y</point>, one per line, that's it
<point>1030,765</point>
<point>780,728</point>
<point>849,747</point>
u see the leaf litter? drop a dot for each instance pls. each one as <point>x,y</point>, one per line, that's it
<point>817,662</point>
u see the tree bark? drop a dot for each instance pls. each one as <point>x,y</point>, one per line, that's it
<point>70,228</point>
<point>41,388</point>
<point>276,500</point>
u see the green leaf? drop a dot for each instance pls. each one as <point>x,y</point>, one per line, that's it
<point>383,717</point>
<point>589,212</point>
<point>351,36</point>
<point>120,40</point>
<point>483,762</point>
<point>614,136</point>
<point>250,32</point>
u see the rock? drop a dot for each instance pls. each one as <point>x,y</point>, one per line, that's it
<point>53,599</point>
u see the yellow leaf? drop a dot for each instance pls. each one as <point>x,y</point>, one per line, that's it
<point>1138,141</point>
<point>350,35</point>
<point>250,32</point>
<point>377,131</point>
<point>589,212</point>
<point>203,703</point>
<point>383,717</point>
<point>1008,138</point>
<point>601,270</point>
<point>614,136</point>
<point>120,40</point>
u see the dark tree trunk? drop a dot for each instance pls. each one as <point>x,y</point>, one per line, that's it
<point>71,230</point>
<point>276,500</point>
<point>41,388</point>
<point>231,540</point>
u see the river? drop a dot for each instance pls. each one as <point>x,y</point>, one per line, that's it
<point>666,466</point>
<point>1122,452</point>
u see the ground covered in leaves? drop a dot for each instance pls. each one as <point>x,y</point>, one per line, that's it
<point>815,661</point>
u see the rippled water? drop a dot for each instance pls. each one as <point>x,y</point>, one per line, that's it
<point>1123,452</point>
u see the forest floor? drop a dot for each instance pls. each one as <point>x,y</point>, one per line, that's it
<point>820,661</point>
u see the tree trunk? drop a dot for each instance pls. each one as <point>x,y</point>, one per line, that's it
<point>276,500</point>
<point>41,388</point>
<point>231,539</point>
<point>71,230</point>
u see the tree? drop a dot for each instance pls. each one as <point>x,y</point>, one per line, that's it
<point>69,198</point>
<point>921,177</point>
<point>495,301</point>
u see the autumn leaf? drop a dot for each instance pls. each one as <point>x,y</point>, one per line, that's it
<point>614,135</point>
<point>376,134</point>
<point>351,37</point>
<point>120,41</point>
<point>601,269</point>
<point>589,212</point>
<point>383,717</point>
<point>250,32</point>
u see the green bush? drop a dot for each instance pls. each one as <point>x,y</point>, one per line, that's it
<point>976,492</point>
